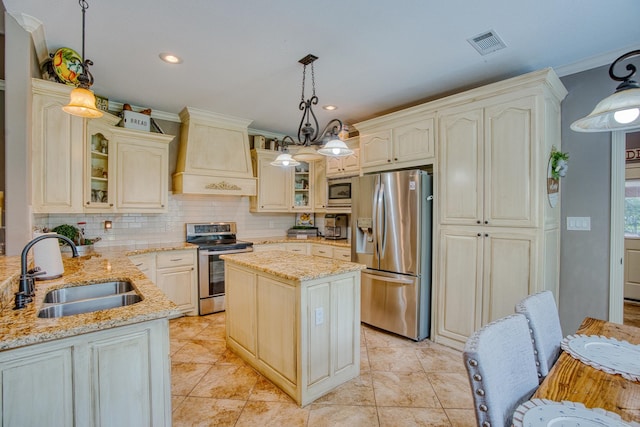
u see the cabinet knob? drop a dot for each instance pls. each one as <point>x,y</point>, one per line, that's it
<point>395,159</point>
<point>486,222</point>
<point>478,221</point>
<point>388,160</point>
<point>88,203</point>
<point>486,234</point>
<point>479,234</point>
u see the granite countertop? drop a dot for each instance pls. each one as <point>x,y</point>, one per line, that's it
<point>292,266</point>
<point>344,243</point>
<point>22,327</point>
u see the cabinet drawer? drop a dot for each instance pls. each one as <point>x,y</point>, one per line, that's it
<point>343,254</point>
<point>170,259</point>
<point>322,250</point>
<point>300,248</point>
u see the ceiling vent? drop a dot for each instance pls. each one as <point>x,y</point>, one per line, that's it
<point>487,42</point>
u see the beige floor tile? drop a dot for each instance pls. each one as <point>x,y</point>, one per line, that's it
<point>176,344</point>
<point>342,416</point>
<point>453,390</point>
<point>404,389</point>
<point>199,411</point>
<point>176,401</point>
<point>266,391</point>
<point>412,417</point>
<point>394,359</point>
<point>461,417</point>
<point>185,376</point>
<point>226,382</point>
<point>187,327</point>
<point>273,414</point>
<point>358,392</point>
<point>438,358</point>
<point>200,351</point>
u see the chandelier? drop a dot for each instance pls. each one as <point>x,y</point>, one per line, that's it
<point>620,111</point>
<point>308,130</point>
<point>82,101</point>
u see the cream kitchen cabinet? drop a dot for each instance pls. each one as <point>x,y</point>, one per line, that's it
<point>347,165</point>
<point>127,170</point>
<point>485,272</point>
<point>176,276</point>
<point>396,141</point>
<point>319,183</point>
<point>57,151</point>
<point>324,251</point>
<point>114,377</point>
<point>342,254</point>
<point>273,183</point>
<point>499,237</point>
<point>146,263</point>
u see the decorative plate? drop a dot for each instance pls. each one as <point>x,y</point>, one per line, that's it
<point>67,64</point>
<point>606,354</point>
<point>543,412</point>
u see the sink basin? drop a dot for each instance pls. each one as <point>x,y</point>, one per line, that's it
<point>88,305</point>
<point>95,290</point>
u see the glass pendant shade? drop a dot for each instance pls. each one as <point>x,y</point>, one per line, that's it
<point>285,160</point>
<point>335,148</point>
<point>82,103</point>
<point>620,111</point>
<point>307,154</point>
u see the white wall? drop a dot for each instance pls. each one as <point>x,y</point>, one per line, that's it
<point>138,230</point>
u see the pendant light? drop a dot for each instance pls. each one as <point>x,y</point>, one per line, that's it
<point>620,111</point>
<point>82,101</point>
<point>308,133</point>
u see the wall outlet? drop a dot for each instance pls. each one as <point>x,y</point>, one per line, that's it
<point>319,316</point>
<point>579,223</point>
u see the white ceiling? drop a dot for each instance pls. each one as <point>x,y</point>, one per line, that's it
<point>241,57</point>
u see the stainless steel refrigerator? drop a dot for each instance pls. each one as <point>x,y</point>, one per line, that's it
<point>391,234</point>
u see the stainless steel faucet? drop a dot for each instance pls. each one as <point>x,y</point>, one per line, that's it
<point>25,286</point>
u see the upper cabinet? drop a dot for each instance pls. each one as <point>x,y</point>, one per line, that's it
<point>214,155</point>
<point>93,165</point>
<point>347,165</point>
<point>57,151</point>
<point>397,140</point>
<point>274,183</point>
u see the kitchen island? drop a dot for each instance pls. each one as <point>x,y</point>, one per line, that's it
<point>295,319</point>
<point>108,367</point>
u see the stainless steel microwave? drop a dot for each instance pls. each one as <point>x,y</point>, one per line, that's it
<point>339,192</point>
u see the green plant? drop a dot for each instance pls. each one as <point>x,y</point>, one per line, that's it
<point>559,163</point>
<point>67,230</point>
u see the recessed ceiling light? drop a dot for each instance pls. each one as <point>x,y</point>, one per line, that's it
<point>170,58</point>
<point>329,107</point>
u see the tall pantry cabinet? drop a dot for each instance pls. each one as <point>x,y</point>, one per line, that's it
<point>498,237</point>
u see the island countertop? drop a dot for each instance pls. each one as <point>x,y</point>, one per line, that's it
<point>293,266</point>
<point>22,327</point>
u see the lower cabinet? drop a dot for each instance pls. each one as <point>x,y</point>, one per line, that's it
<point>175,273</point>
<point>317,249</point>
<point>303,336</point>
<point>115,377</point>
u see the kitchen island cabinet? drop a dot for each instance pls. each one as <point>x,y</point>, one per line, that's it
<point>295,319</point>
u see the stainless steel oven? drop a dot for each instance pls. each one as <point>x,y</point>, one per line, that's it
<point>339,192</point>
<point>213,239</point>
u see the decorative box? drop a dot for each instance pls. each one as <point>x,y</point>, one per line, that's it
<point>133,120</point>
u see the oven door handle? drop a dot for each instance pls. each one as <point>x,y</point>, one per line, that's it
<point>230,251</point>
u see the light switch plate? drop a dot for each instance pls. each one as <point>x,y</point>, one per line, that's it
<point>579,223</point>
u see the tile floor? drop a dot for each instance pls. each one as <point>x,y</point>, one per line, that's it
<point>401,383</point>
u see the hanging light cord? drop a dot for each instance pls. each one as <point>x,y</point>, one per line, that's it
<point>85,79</point>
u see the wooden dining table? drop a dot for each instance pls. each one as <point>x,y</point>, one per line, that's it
<point>572,380</point>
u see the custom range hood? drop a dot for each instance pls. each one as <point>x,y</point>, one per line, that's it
<point>214,155</point>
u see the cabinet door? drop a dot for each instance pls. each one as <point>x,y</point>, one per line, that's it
<point>351,163</point>
<point>459,292</point>
<point>302,195</point>
<point>375,149</point>
<point>240,299</point>
<point>37,387</point>
<point>319,184</point>
<point>414,141</point>
<point>324,251</point>
<point>143,169</point>
<point>510,163</point>
<point>179,284</point>
<point>509,270</point>
<point>100,167</point>
<point>57,153</point>
<point>334,166</point>
<point>461,162</point>
<point>274,185</point>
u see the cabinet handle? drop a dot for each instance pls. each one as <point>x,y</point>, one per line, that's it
<point>110,204</point>
<point>88,203</point>
<point>138,265</point>
<point>176,259</point>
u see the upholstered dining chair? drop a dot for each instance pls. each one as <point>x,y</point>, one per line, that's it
<point>544,325</point>
<point>502,369</point>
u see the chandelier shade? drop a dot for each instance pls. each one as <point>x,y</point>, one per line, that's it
<point>285,160</point>
<point>82,101</point>
<point>619,111</point>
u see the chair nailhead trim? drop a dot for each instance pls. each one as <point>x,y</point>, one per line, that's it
<point>477,377</point>
<point>473,362</point>
<point>484,408</point>
<point>486,424</point>
<point>480,392</point>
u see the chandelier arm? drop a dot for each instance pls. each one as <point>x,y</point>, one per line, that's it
<point>335,125</point>
<point>307,133</point>
<point>630,67</point>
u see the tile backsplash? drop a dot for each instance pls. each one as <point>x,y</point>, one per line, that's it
<point>144,229</point>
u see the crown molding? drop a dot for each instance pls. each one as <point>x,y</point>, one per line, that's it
<point>593,61</point>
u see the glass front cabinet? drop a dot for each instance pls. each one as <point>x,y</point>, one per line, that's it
<point>302,195</point>
<point>100,165</point>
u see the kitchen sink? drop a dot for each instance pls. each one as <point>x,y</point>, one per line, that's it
<point>88,305</point>
<point>94,290</point>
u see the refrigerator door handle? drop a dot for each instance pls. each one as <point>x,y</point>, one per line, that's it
<point>381,221</point>
<point>398,281</point>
